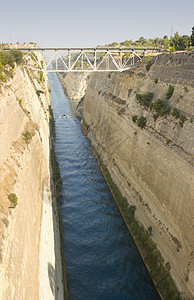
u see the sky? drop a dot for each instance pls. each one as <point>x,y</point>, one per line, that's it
<point>62,23</point>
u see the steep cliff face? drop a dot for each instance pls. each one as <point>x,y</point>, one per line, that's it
<point>74,84</point>
<point>152,166</point>
<point>27,255</point>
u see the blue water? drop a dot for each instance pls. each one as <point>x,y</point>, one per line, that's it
<point>102,260</point>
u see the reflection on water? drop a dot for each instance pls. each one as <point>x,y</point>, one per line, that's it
<point>102,260</point>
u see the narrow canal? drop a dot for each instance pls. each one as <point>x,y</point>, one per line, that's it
<point>102,260</point>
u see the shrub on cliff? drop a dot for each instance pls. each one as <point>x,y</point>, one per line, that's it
<point>145,99</point>
<point>141,121</point>
<point>13,199</point>
<point>175,113</point>
<point>170,92</point>
<point>10,57</point>
<point>38,92</point>
<point>27,136</point>
<point>134,118</point>
<point>161,107</point>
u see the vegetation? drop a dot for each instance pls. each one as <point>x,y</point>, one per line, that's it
<point>156,80</point>
<point>155,116</point>
<point>159,271</point>
<point>141,122</point>
<point>182,118</point>
<point>10,57</point>
<point>13,199</point>
<point>192,37</point>
<point>145,99</point>
<point>161,107</point>
<point>168,141</point>
<point>176,42</point>
<point>38,92</point>
<point>7,63</point>
<point>27,136</point>
<point>176,113</point>
<point>170,92</point>
<point>172,49</point>
<point>134,118</point>
<point>186,89</point>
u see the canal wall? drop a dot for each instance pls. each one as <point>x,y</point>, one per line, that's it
<point>151,162</point>
<point>74,84</point>
<point>30,257</point>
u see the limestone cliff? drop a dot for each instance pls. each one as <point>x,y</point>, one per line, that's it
<point>29,243</point>
<point>152,166</point>
<point>74,84</point>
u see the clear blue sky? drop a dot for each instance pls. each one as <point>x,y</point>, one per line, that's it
<point>90,23</point>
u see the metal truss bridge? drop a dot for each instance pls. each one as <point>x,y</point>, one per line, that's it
<point>100,59</point>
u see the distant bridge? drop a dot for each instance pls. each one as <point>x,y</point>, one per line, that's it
<point>99,59</point>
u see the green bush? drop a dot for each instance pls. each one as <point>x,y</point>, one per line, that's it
<point>186,89</point>
<point>168,141</point>
<point>9,73</point>
<point>10,57</point>
<point>172,49</point>
<point>38,92</point>
<point>27,136</point>
<point>170,92</point>
<point>3,78</point>
<point>156,80</point>
<point>13,199</point>
<point>134,118</point>
<point>175,113</point>
<point>145,99</point>
<point>182,119</point>
<point>161,107</point>
<point>1,67</point>
<point>141,121</point>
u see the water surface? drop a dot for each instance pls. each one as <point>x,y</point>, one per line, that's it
<point>102,260</point>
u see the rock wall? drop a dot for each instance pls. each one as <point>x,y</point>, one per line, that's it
<point>153,166</point>
<point>74,84</point>
<point>29,235</point>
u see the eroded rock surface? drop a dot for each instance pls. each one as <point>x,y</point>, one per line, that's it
<point>153,166</point>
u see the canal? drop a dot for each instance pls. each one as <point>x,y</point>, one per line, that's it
<point>102,261</point>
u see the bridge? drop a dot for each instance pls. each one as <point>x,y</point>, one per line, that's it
<point>99,59</point>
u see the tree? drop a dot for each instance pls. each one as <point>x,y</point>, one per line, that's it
<point>184,42</point>
<point>175,40</point>
<point>192,37</point>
